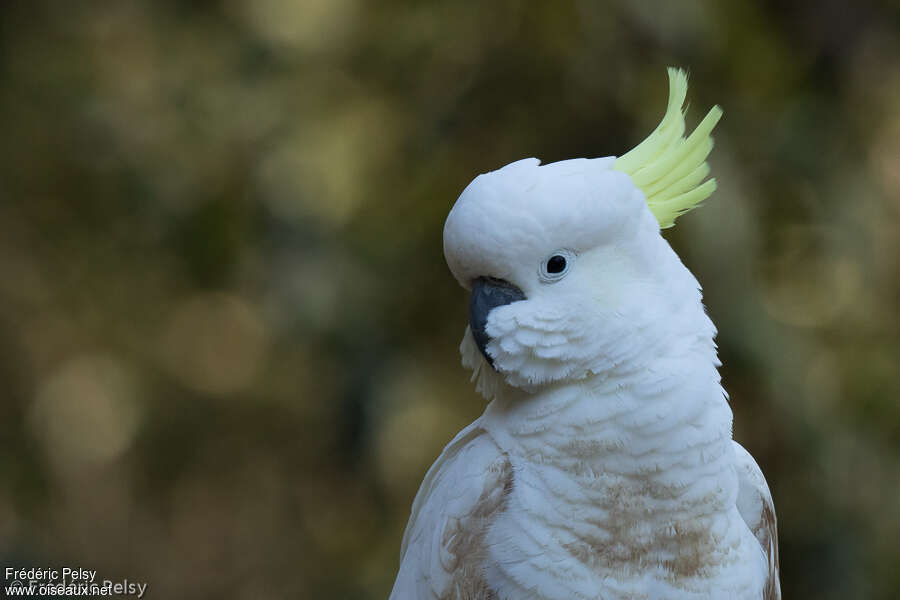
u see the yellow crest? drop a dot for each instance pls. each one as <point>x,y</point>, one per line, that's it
<point>668,167</point>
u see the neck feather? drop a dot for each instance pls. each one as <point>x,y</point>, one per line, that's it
<point>665,421</point>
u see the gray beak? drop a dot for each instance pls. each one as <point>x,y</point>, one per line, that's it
<point>487,294</point>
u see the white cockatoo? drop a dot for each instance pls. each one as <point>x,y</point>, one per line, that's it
<point>604,465</point>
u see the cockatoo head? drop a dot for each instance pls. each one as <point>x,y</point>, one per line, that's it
<point>569,275</point>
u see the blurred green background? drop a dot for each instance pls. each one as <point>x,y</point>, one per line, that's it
<point>228,339</point>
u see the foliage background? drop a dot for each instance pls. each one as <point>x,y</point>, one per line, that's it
<point>228,340</point>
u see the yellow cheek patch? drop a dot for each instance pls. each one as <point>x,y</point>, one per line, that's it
<point>668,167</point>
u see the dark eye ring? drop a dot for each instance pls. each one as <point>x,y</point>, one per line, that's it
<point>556,266</point>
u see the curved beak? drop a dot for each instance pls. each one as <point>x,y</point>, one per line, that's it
<point>487,294</point>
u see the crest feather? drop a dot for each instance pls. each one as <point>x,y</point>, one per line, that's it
<point>668,167</point>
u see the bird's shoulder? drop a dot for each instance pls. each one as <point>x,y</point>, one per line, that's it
<point>756,507</point>
<point>462,492</point>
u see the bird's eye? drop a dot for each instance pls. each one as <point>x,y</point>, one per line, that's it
<point>556,266</point>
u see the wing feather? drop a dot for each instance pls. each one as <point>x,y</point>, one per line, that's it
<point>758,511</point>
<point>442,553</point>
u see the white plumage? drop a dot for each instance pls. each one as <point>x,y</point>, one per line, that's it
<point>604,465</point>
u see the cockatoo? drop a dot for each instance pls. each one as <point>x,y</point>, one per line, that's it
<point>604,465</point>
